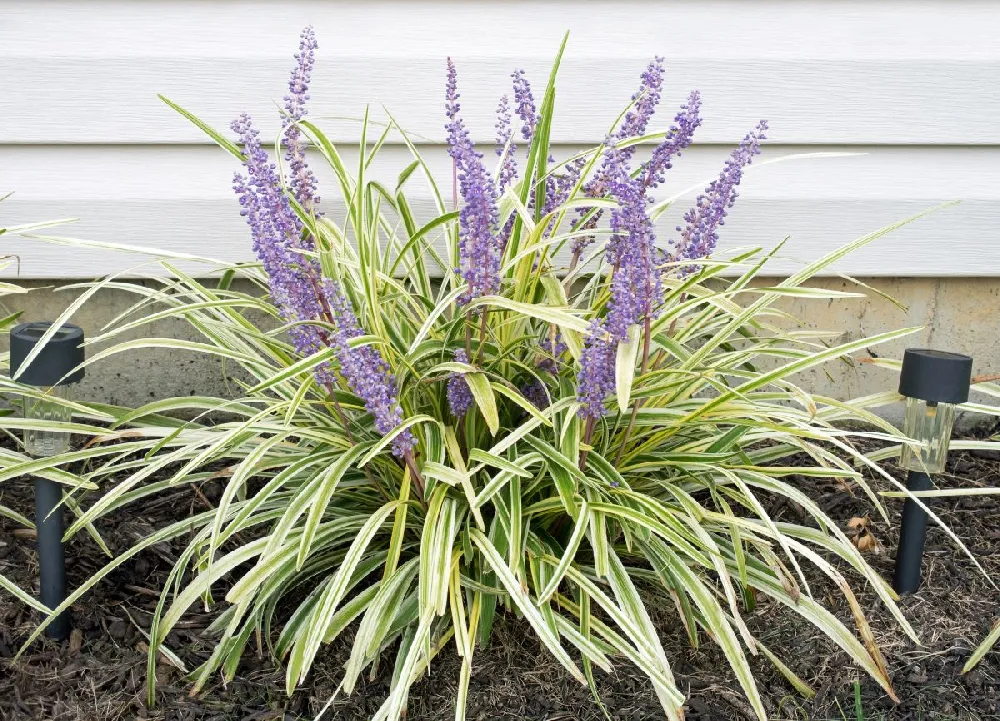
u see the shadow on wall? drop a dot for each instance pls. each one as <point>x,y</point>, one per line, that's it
<point>135,377</point>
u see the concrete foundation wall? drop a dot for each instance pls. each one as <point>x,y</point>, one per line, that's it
<point>960,315</point>
<point>135,377</point>
<point>956,314</point>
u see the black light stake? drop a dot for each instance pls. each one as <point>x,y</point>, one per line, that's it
<point>54,369</point>
<point>933,382</point>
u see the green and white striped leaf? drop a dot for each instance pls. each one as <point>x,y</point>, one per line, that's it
<point>305,650</point>
<point>482,392</point>
<point>524,603</point>
<point>625,360</point>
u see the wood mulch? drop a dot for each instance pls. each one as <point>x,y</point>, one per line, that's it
<point>99,673</point>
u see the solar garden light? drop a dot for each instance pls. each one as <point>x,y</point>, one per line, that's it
<point>933,383</point>
<point>54,369</point>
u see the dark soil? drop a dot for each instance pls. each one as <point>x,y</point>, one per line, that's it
<point>100,673</point>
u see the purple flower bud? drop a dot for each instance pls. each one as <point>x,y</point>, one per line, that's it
<point>459,394</point>
<point>536,394</point>
<point>553,346</point>
<point>596,378</point>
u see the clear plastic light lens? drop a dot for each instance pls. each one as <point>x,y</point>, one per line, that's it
<point>45,442</point>
<point>930,424</point>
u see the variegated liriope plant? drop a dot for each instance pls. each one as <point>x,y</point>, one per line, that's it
<point>522,403</point>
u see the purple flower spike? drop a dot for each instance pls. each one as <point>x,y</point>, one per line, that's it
<point>459,394</point>
<point>632,245</point>
<point>699,238</point>
<point>564,183</point>
<point>615,162</point>
<point>633,125</point>
<point>526,110</point>
<point>636,285</point>
<point>525,103</point>
<point>479,245</point>
<point>644,101</point>
<point>678,138</point>
<point>367,374</point>
<point>302,294</point>
<point>302,180</point>
<point>276,230</point>
<point>506,148</point>
<point>596,379</point>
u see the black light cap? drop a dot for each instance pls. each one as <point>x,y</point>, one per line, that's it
<point>60,356</point>
<point>935,376</point>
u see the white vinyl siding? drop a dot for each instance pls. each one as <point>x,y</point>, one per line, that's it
<point>914,86</point>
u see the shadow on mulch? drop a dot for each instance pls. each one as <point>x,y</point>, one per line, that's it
<point>100,673</point>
